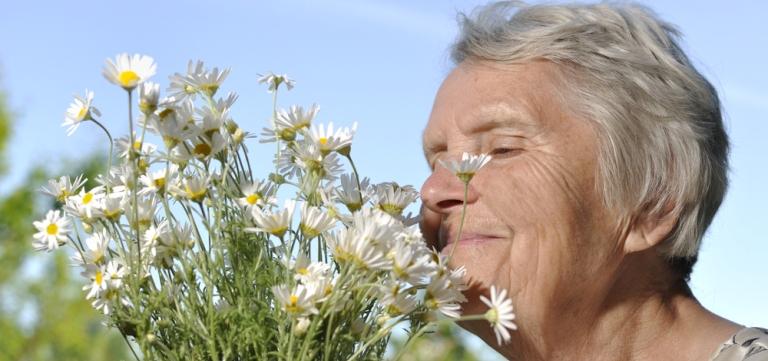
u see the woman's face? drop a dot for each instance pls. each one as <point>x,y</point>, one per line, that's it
<point>535,223</point>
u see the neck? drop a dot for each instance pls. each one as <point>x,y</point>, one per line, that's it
<point>638,315</point>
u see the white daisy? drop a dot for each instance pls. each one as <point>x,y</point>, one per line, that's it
<point>86,205</point>
<point>468,166</point>
<point>204,147</point>
<point>194,188</point>
<point>410,262</point>
<point>349,194</point>
<point>155,182</point>
<point>52,231</point>
<point>63,187</point>
<point>123,147</point>
<point>275,223</point>
<point>307,271</point>
<point>149,96</point>
<point>500,314</point>
<point>129,71</point>
<point>442,296</point>
<point>108,297</point>
<point>97,280</point>
<point>80,110</point>
<point>392,198</point>
<point>145,212</point>
<point>348,246</point>
<point>171,244</point>
<point>376,227</point>
<point>307,156</point>
<point>274,81</point>
<point>174,124</point>
<point>314,221</point>
<point>150,239</point>
<point>96,249</point>
<point>329,141</point>
<point>395,301</point>
<point>208,81</point>
<point>114,205</point>
<point>288,123</point>
<point>180,88</point>
<point>255,194</point>
<point>297,301</point>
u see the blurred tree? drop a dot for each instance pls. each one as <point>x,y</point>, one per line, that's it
<point>43,311</point>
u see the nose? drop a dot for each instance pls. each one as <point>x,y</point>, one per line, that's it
<point>443,191</point>
<point>441,194</point>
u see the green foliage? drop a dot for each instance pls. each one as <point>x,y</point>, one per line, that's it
<point>43,314</point>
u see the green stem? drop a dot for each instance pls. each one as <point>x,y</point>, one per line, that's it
<point>410,341</point>
<point>130,347</point>
<point>274,126</point>
<point>461,224</point>
<point>357,178</point>
<point>111,143</point>
<point>134,176</point>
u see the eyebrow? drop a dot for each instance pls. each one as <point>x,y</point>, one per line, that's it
<point>498,115</point>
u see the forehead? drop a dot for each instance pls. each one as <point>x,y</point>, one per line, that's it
<point>479,95</point>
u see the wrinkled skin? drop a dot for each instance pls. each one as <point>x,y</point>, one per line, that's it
<point>535,221</point>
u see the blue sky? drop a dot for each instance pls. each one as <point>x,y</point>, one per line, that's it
<point>375,62</point>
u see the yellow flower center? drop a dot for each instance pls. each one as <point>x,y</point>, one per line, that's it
<point>392,209</point>
<point>128,78</point>
<point>210,89</point>
<point>308,231</point>
<point>465,176</point>
<point>323,141</point>
<point>195,195</point>
<point>278,231</point>
<point>87,198</point>
<point>99,277</point>
<point>202,149</point>
<point>292,305</point>
<point>159,182</point>
<point>302,271</point>
<point>52,229</point>
<point>165,113</point>
<point>137,145</point>
<point>252,199</point>
<point>492,316</point>
<point>81,114</point>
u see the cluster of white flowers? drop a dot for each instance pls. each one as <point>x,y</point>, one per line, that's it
<point>179,220</point>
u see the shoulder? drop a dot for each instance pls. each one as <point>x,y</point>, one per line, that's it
<point>749,344</point>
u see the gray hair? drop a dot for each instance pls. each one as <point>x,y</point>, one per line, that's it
<point>663,148</point>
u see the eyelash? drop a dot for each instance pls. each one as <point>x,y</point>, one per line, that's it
<point>505,152</point>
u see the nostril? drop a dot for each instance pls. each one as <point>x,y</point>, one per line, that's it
<point>448,203</point>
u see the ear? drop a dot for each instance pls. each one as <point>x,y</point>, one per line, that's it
<point>648,231</point>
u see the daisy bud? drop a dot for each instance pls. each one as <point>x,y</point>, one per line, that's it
<point>302,325</point>
<point>149,95</point>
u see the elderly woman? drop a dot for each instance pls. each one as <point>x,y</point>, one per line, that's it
<point>609,161</point>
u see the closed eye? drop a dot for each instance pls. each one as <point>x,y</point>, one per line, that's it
<point>505,152</point>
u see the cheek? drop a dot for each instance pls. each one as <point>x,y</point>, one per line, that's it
<point>548,211</point>
<point>487,264</point>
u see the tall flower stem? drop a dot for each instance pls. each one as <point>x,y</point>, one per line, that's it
<point>357,178</point>
<point>274,126</point>
<point>111,143</point>
<point>134,175</point>
<point>461,223</point>
<point>410,341</point>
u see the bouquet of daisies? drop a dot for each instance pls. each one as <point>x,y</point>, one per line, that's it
<point>192,254</point>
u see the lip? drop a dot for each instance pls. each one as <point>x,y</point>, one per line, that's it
<point>467,238</point>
